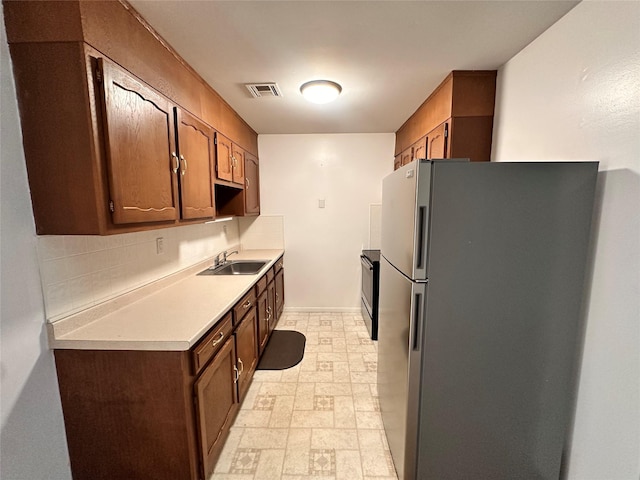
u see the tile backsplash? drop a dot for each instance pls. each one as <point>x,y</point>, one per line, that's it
<point>78,271</point>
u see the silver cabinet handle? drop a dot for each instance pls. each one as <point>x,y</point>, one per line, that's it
<point>218,340</point>
<point>184,161</point>
<point>247,305</point>
<point>241,367</point>
<point>177,167</point>
<point>268,314</point>
<point>246,181</point>
<point>237,374</point>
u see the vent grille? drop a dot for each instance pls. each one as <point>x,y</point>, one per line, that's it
<point>258,90</point>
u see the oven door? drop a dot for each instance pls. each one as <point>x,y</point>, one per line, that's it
<point>367,291</point>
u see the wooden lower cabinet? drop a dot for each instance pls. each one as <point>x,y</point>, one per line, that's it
<point>279,303</point>
<point>216,403</point>
<point>129,414</point>
<point>263,321</point>
<point>165,415</point>
<point>247,351</point>
<point>271,299</point>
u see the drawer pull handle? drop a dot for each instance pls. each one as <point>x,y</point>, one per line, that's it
<point>247,305</point>
<point>268,314</point>
<point>218,340</point>
<point>241,367</point>
<point>237,374</point>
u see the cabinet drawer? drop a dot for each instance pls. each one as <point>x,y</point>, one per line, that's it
<point>261,285</point>
<point>279,264</point>
<point>212,342</point>
<point>270,274</point>
<point>243,306</point>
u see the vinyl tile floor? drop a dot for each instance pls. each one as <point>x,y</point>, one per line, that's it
<point>317,420</point>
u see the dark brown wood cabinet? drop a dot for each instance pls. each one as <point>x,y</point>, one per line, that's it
<point>279,291</point>
<point>246,351</point>
<point>224,158</point>
<point>165,414</point>
<point>99,141</point>
<point>455,121</point>
<point>139,141</point>
<point>271,302</point>
<point>438,142</point>
<point>420,148</point>
<point>251,185</point>
<point>129,414</point>
<point>195,144</point>
<point>237,157</point>
<point>263,321</point>
<point>216,397</point>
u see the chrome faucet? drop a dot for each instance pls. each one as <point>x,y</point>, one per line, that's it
<point>221,258</point>
<point>225,255</point>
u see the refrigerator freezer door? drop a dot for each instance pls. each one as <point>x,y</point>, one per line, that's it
<point>405,218</point>
<point>400,330</point>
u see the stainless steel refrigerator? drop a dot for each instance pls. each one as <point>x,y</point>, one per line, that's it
<point>482,277</point>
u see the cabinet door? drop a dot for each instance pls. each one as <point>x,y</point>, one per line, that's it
<point>196,153</point>
<point>251,185</point>
<point>237,156</point>
<point>216,404</point>
<point>439,141</point>
<point>397,161</point>
<point>224,165</point>
<point>420,148</point>
<point>139,141</point>
<point>263,321</point>
<point>271,301</point>
<point>406,156</point>
<point>247,351</point>
<point>279,293</point>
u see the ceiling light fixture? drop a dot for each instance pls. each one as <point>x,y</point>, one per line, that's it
<point>320,91</point>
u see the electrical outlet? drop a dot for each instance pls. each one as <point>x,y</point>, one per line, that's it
<point>159,245</point>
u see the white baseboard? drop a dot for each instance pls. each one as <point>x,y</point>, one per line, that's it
<point>322,309</point>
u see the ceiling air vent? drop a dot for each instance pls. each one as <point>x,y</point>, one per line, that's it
<point>263,89</point>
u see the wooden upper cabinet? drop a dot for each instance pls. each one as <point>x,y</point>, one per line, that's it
<point>462,105</point>
<point>196,152</point>
<point>420,148</point>
<point>438,142</point>
<point>237,158</point>
<point>406,156</point>
<point>139,140</point>
<point>97,92</point>
<point>251,185</point>
<point>224,155</point>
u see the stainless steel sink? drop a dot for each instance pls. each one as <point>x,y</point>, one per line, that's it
<point>237,267</point>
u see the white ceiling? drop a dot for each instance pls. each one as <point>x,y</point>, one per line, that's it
<point>387,55</point>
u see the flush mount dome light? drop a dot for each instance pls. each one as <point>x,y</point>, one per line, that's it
<point>320,91</point>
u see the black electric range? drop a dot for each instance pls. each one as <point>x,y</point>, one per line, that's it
<point>370,260</point>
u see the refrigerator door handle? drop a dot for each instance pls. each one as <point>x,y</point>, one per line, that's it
<point>418,297</point>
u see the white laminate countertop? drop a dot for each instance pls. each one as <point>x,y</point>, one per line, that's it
<point>174,317</point>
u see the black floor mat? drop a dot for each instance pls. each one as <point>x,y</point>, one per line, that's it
<point>284,350</point>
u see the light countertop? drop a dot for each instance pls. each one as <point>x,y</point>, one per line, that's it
<point>173,317</point>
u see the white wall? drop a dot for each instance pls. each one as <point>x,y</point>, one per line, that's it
<point>574,94</point>
<point>33,443</point>
<point>323,245</point>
